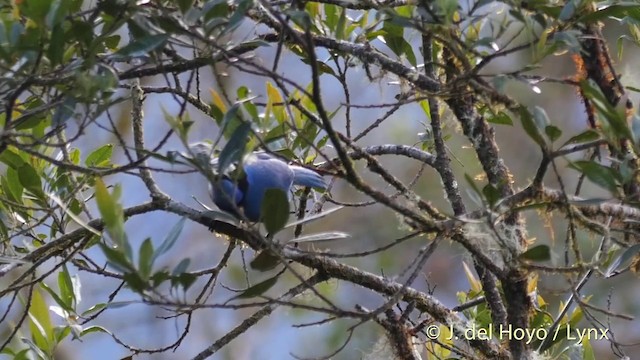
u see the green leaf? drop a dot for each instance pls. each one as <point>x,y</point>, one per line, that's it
<point>257,289</point>
<point>587,350</point>
<point>112,215</point>
<point>106,204</point>
<point>40,322</point>
<point>473,184</point>
<point>160,277</point>
<point>531,127</point>
<point>265,261</point>
<point>611,117</point>
<point>66,288</point>
<point>94,309</point>
<point>145,258</point>
<point>583,137</point>
<point>491,194</point>
<point>626,255</point>
<point>117,259</point>
<point>170,240</point>
<point>553,133</point>
<point>323,67</point>
<point>135,282</point>
<point>12,186</point>
<point>186,280</point>
<point>182,267</point>
<point>274,210</point>
<point>56,297</point>
<point>185,5</point>
<point>235,147</point>
<point>500,118</point>
<point>598,174</point>
<point>537,253</point>
<point>56,48</point>
<point>615,11</point>
<point>100,156</point>
<point>426,108</point>
<point>12,159</point>
<point>30,180</point>
<point>142,46</point>
<point>93,329</point>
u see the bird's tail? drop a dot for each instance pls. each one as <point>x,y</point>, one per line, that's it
<point>305,177</point>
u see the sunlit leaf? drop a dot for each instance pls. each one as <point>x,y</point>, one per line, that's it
<point>100,156</point>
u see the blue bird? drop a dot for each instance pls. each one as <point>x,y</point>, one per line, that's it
<point>260,171</point>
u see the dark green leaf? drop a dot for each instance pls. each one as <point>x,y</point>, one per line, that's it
<point>135,282</point>
<point>531,127</point>
<point>617,11</point>
<point>142,46</point>
<point>612,118</point>
<point>30,180</point>
<point>181,268</point>
<point>257,289</point>
<point>265,261</point>
<point>553,133</point>
<point>274,210</point>
<point>323,68</point>
<point>159,277</point>
<point>598,174</point>
<point>500,118</point>
<point>12,186</point>
<point>145,258</point>
<point>117,259</point>
<point>491,194</point>
<point>186,280</point>
<point>235,147</point>
<point>585,136</point>
<point>185,5</point>
<point>537,253</point>
<point>12,159</point>
<point>56,45</point>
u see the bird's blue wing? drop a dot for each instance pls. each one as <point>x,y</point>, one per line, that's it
<point>305,177</point>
